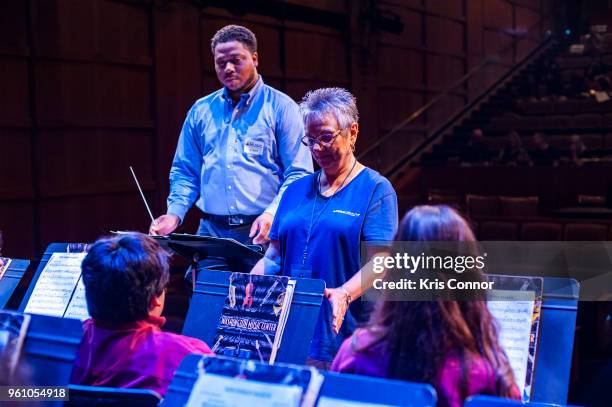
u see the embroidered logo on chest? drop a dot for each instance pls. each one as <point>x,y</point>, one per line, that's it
<point>253,147</point>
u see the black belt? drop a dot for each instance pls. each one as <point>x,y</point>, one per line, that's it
<point>231,220</point>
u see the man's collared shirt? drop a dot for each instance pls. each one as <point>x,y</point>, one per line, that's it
<point>238,157</point>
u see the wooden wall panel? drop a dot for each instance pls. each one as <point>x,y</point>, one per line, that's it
<point>85,218</point>
<point>497,14</point>
<point>445,35</point>
<point>99,163</point>
<point>451,8</point>
<point>474,30</point>
<point>13,27</point>
<point>178,83</point>
<point>15,165</point>
<point>439,113</point>
<point>499,43</point>
<point>14,92</point>
<point>314,56</point>
<point>104,30</point>
<point>407,74</point>
<point>395,105</point>
<point>443,70</point>
<point>328,5</point>
<point>526,18</point>
<point>412,35</point>
<point>93,94</point>
<point>18,229</point>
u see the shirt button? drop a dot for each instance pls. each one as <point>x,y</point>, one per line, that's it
<point>233,207</point>
<point>229,166</point>
<point>229,187</point>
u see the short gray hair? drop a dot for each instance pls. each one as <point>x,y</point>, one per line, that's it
<point>336,101</point>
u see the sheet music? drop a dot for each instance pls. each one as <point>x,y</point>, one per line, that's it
<point>221,391</point>
<point>78,305</point>
<point>5,262</point>
<point>56,284</point>
<point>515,322</point>
<point>334,402</point>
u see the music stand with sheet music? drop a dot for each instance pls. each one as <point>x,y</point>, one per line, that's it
<point>11,279</point>
<point>196,248</point>
<point>52,248</point>
<point>346,388</point>
<point>209,297</point>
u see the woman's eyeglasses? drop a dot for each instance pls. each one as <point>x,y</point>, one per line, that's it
<point>324,139</point>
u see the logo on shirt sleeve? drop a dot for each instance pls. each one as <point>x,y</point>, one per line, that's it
<point>253,147</point>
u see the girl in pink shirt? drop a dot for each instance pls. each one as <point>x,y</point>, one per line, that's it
<point>450,344</point>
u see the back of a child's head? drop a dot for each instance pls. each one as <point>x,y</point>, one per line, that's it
<point>122,274</point>
<point>421,335</point>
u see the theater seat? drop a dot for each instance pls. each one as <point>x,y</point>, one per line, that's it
<point>482,205</point>
<point>578,232</point>
<point>541,231</point>
<point>109,396</point>
<point>524,206</point>
<point>498,230</point>
<point>450,200</point>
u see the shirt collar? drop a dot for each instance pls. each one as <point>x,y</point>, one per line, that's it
<point>158,322</point>
<point>245,98</point>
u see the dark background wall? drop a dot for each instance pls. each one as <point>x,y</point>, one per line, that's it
<point>89,87</point>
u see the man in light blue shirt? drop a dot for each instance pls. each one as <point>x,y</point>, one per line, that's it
<point>238,150</point>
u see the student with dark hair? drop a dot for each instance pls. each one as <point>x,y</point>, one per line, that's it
<point>451,344</point>
<point>123,345</point>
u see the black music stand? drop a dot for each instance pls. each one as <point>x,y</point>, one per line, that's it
<point>196,248</point>
<point>11,279</point>
<point>209,298</point>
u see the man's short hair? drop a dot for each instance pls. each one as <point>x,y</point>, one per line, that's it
<point>122,274</point>
<point>235,33</point>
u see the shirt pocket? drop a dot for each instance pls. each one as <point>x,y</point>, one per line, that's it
<point>259,144</point>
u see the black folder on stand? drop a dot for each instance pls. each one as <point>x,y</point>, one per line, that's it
<point>208,299</point>
<point>195,248</point>
<point>189,245</point>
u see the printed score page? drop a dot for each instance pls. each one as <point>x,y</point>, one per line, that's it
<point>515,319</point>
<point>333,402</point>
<point>78,305</point>
<point>212,390</point>
<point>56,284</point>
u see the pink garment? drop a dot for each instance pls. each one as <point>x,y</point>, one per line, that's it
<point>135,355</point>
<point>373,361</point>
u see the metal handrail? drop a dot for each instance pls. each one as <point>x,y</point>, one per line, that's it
<point>402,162</point>
<point>418,113</point>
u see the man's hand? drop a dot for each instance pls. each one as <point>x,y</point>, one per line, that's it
<point>261,225</point>
<point>339,302</point>
<point>164,225</point>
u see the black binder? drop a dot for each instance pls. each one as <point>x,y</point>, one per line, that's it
<point>187,245</point>
<point>11,278</point>
<point>207,304</point>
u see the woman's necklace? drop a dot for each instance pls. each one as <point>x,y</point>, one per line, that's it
<point>313,221</point>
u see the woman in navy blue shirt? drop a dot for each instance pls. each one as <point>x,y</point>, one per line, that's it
<point>324,217</point>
